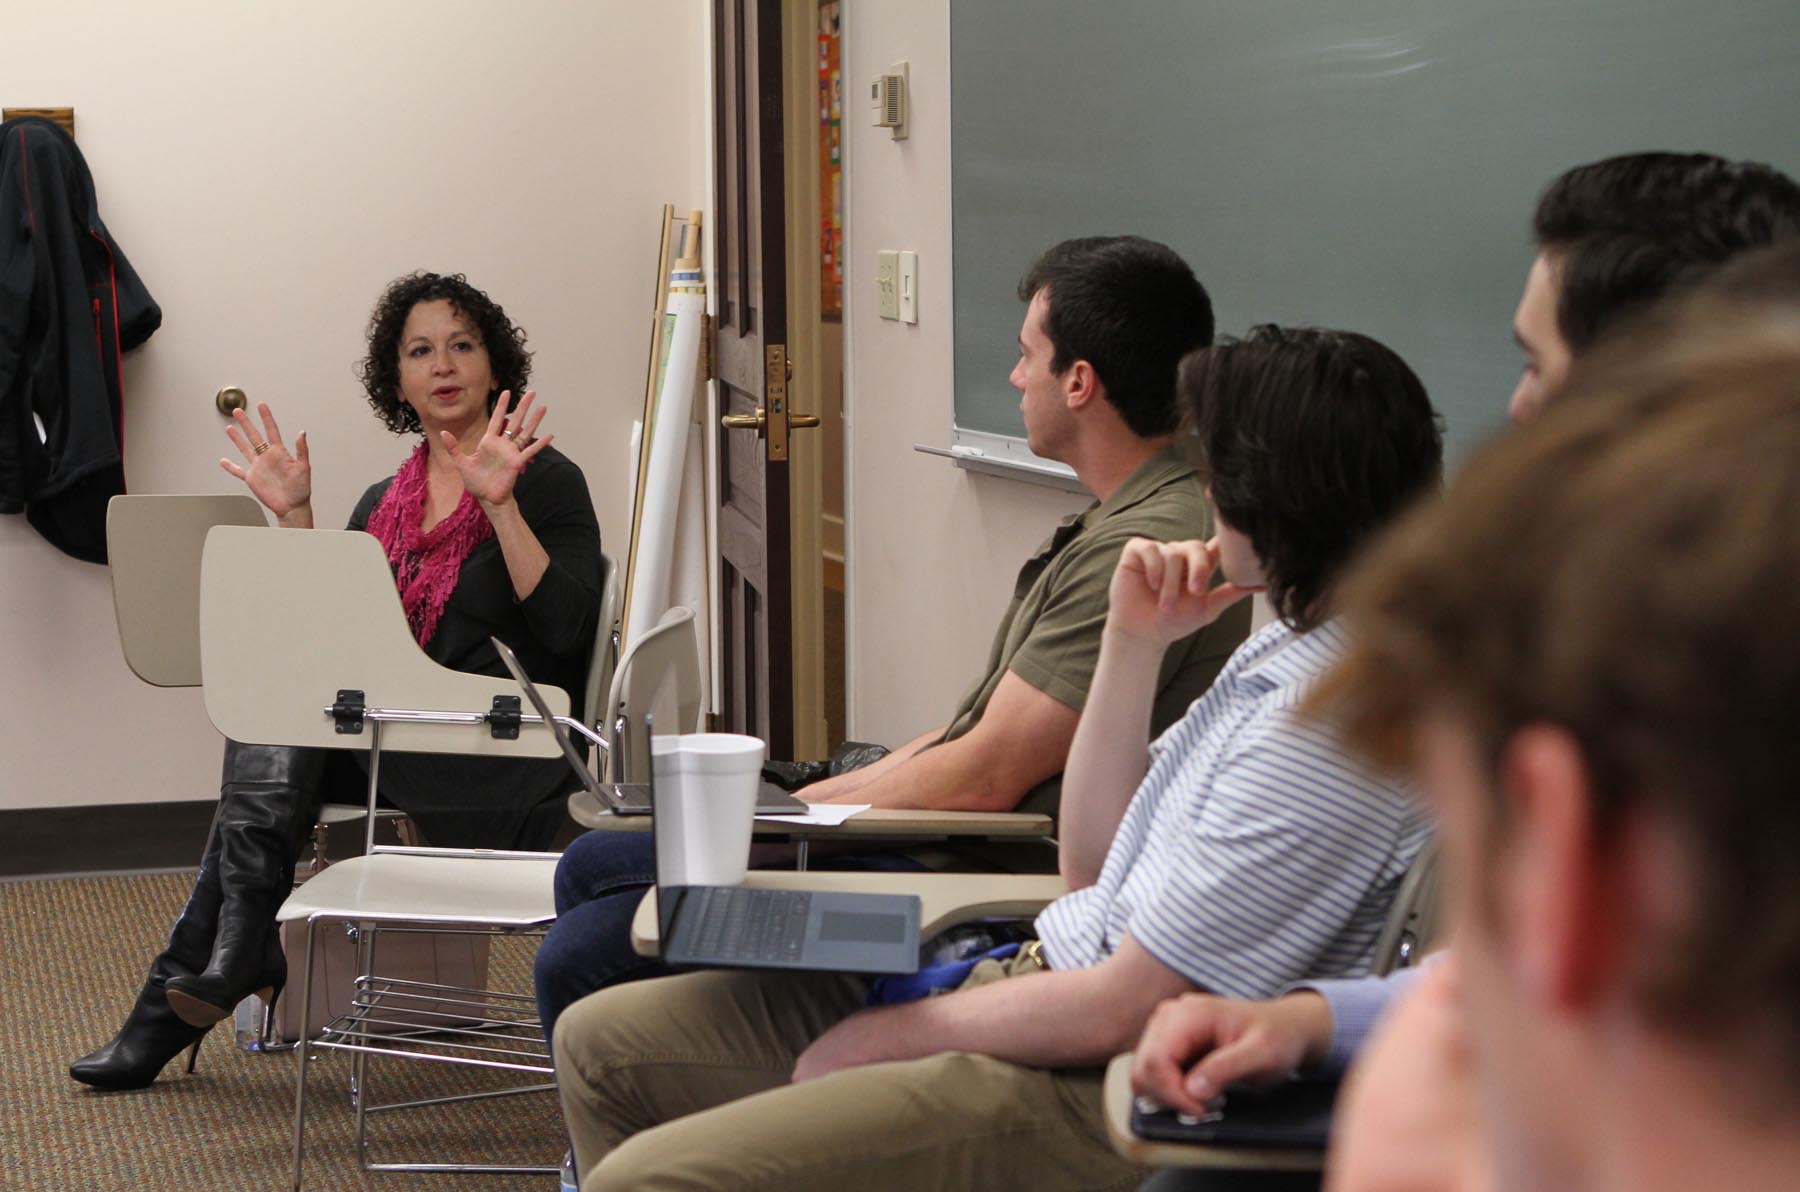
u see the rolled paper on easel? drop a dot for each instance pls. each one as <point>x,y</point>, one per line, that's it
<point>668,442</point>
<point>690,579</point>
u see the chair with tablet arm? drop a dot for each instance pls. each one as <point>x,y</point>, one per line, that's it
<point>353,677</point>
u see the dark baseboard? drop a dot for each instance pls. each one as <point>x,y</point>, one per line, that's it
<point>113,837</point>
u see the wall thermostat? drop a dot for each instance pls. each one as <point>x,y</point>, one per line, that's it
<point>887,99</point>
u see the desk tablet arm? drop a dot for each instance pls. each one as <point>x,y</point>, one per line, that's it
<point>878,823</point>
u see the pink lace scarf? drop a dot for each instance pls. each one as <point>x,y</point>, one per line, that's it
<point>426,565</point>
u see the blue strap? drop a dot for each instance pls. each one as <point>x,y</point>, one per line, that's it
<point>938,978</point>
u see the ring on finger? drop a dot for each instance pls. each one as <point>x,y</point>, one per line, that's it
<point>261,447</point>
<point>510,434</point>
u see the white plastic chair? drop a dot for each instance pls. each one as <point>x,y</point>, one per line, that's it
<point>350,675</point>
<point>153,542</point>
<point>605,660</point>
<point>658,677</point>
<point>153,545</point>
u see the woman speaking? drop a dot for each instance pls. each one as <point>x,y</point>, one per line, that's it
<point>490,532</point>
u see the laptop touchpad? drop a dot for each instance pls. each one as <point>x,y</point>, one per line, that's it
<point>861,927</point>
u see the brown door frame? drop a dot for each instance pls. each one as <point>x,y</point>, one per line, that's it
<point>755,598</point>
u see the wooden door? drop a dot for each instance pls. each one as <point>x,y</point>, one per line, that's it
<point>755,602</point>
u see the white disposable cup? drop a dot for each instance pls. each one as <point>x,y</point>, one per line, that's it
<point>706,788</point>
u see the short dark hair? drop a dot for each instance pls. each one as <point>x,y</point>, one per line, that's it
<point>1624,568</point>
<point>1624,231</point>
<point>1132,309</point>
<point>380,369</point>
<point>1313,440</point>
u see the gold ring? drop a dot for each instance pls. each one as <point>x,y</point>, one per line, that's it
<point>261,447</point>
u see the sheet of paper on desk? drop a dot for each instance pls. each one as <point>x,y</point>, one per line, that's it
<point>822,815</point>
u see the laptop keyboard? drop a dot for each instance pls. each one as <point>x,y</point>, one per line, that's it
<point>751,925</point>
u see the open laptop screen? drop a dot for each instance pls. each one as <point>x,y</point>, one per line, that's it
<point>563,740</point>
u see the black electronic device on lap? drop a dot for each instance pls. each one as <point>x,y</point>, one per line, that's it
<point>1294,1113</point>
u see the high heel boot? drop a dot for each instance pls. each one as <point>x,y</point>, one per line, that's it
<point>152,1034</point>
<point>267,803</point>
<point>151,1037</point>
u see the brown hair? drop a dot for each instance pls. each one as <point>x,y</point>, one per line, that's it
<point>1312,441</point>
<point>1628,568</point>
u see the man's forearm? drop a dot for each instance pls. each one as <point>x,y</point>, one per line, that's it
<point>1021,738</point>
<point>1109,756</point>
<point>1050,1020</point>
<point>943,778</point>
<point>845,787</point>
<point>1059,1019</point>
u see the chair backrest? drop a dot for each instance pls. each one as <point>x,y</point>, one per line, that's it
<point>153,543</point>
<point>289,619</point>
<point>660,676</point>
<point>1411,925</point>
<point>605,659</point>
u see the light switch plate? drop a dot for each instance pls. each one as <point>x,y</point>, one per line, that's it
<point>909,287</point>
<point>887,283</point>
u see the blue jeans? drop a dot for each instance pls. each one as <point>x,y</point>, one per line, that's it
<point>599,883</point>
<point>600,880</point>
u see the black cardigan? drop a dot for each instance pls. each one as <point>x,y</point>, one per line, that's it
<point>487,802</point>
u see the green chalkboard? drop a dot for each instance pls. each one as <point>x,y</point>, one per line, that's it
<point>1366,164</point>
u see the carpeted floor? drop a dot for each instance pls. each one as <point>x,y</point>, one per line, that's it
<point>72,954</point>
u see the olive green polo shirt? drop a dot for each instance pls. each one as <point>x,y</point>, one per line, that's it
<point>1050,635</point>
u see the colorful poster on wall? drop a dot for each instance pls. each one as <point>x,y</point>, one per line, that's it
<point>831,160</point>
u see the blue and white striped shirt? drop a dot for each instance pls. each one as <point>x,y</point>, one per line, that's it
<point>1255,852</point>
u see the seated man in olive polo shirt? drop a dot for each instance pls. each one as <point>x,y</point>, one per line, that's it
<point>1107,321</point>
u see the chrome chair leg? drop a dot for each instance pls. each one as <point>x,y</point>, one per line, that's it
<point>359,1060</point>
<point>304,1047</point>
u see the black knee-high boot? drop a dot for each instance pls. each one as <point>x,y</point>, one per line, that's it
<point>267,803</point>
<point>153,1034</point>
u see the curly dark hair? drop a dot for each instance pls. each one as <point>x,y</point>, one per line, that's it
<point>380,369</point>
<point>1313,441</point>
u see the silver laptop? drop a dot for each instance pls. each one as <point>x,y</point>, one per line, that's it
<point>741,927</point>
<point>623,798</point>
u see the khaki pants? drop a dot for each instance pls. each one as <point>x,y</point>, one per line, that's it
<point>683,1083</point>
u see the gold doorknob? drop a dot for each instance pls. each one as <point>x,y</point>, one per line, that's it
<point>759,420</point>
<point>230,398</point>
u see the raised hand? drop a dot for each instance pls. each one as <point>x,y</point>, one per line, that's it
<point>281,481</point>
<point>1160,590</point>
<point>508,444</point>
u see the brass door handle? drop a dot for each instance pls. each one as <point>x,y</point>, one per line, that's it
<point>759,420</point>
<point>230,398</point>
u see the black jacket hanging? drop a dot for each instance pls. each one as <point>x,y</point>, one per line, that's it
<point>69,304</point>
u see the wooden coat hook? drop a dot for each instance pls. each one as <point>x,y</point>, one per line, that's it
<point>62,117</point>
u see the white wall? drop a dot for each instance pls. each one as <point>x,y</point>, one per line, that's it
<point>267,168</point>
<point>932,551</point>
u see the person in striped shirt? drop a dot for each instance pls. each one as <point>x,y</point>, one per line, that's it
<point>1245,850</point>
